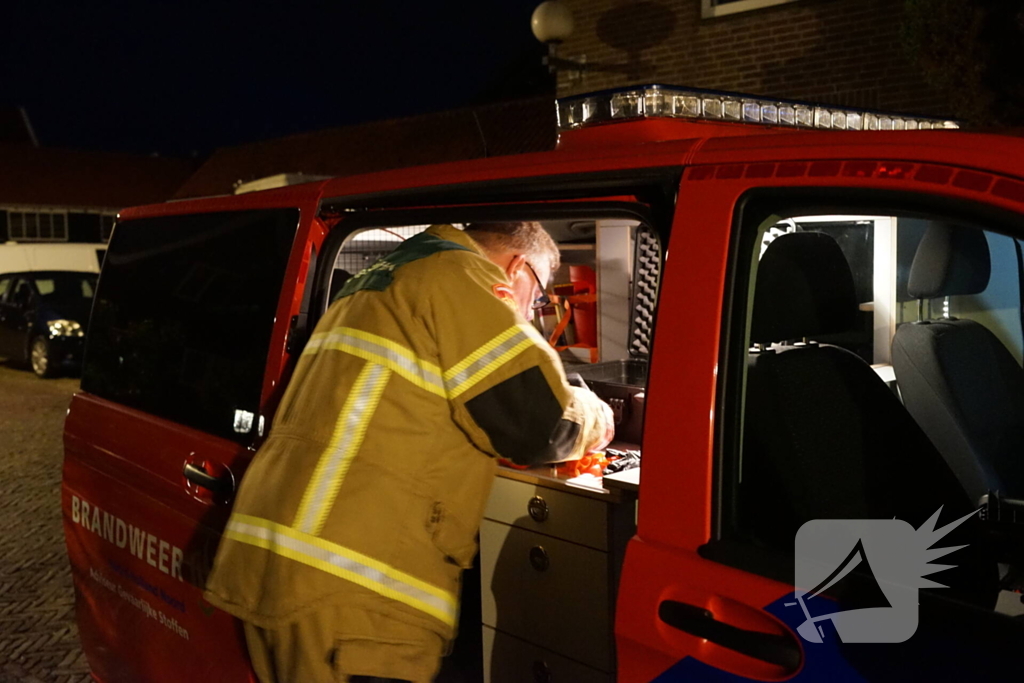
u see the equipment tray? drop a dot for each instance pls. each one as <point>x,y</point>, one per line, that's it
<point>630,373</point>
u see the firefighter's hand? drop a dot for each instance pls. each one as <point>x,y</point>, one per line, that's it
<point>596,421</point>
<point>608,418</point>
<point>601,428</point>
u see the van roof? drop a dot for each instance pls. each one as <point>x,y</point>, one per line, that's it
<point>638,144</point>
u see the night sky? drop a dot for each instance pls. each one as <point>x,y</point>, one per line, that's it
<point>182,78</point>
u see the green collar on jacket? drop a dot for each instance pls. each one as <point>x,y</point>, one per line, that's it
<point>435,239</point>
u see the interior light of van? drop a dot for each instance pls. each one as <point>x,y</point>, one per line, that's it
<point>65,328</point>
<point>653,101</point>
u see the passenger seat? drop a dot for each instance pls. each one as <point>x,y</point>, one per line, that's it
<point>824,437</point>
<point>956,378</point>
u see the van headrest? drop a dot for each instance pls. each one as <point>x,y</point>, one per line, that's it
<point>804,289</point>
<point>950,260</point>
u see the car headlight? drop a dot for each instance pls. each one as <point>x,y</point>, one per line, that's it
<point>65,328</point>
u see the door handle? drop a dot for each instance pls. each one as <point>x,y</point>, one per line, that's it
<point>223,484</point>
<point>781,650</point>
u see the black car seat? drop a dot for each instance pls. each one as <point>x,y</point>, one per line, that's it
<point>824,437</point>
<point>956,378</point>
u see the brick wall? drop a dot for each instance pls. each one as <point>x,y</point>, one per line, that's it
<point>842,52</point>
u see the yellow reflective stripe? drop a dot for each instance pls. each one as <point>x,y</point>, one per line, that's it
<point>384,352</point>
<point>464,363</point>
<point>349,432</point>
<point>486,359</point>
<point>344,563</point>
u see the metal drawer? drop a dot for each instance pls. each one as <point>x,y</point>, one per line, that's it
<point>548,592</point>
<point>575,518</point>
<point>511,660</point>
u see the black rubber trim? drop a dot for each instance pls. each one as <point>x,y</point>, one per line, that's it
<point>647,184</point>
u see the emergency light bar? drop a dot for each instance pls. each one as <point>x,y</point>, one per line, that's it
<point>658,101</point>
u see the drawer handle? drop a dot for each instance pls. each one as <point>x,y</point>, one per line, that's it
<point>538,509</point>
<point>539,558</point>
<point>541,672</point>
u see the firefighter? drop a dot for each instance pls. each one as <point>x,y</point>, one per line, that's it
<point>354,521</point>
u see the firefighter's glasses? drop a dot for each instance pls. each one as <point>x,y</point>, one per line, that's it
<point>543,300</point>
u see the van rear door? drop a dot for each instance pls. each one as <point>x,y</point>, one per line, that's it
<point>183,368</point>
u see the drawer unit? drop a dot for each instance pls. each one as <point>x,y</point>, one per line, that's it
<point>547,591</point>
<point>510,660</point>
<point>575,518</point>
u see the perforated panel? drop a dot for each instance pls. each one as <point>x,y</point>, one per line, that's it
<point>647,267</point>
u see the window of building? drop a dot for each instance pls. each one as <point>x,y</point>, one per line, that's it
<point>37,226</point>
<point>720,8</point>
<point>182,321</point>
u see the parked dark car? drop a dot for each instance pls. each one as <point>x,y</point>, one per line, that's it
<point>43,315</point>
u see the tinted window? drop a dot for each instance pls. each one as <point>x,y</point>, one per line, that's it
<point>5,284</point>
<point>183,316</point>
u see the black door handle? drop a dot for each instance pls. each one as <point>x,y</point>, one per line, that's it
<point>223,485</point>
<point>781,650</point>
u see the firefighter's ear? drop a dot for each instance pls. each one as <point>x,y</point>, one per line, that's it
<point>516,266</point>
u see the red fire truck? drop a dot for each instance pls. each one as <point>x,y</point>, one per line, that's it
<point>798,313</point>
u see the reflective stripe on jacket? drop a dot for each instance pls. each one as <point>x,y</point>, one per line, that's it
<point>372,483</point>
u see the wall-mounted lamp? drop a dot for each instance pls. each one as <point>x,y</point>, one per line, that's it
<point>552,23</point>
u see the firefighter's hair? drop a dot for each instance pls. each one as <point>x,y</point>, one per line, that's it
<point>527,238</point>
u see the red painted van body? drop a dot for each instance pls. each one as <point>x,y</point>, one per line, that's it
<point>140,535</point>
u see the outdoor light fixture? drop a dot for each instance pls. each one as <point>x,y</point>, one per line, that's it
<point>552,24</point>
<point>658,101</point>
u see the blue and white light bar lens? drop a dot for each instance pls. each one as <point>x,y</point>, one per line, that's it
<point>655,101</point>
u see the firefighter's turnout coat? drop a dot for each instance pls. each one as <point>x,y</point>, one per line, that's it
<point>370,489</point>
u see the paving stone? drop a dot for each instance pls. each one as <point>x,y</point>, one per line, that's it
<point>38,636</point>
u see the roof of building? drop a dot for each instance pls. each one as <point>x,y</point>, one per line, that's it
<point>512,127</point>
<point>40,176</point>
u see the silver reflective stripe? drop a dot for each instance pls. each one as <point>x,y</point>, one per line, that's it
<point>483,363</point>
<point>314,343</point>
<point>404,364</point>
<point>372,578</point>
<point>348,437</point>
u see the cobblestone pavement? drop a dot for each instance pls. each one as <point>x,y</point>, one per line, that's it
<point>38,638</point>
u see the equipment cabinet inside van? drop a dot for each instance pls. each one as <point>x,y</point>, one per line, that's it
<point>800,316</point>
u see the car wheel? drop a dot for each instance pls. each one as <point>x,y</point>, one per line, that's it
<point>39,357</point>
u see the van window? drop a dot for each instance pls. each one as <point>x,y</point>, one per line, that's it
<point>183,316</point>
<point>583,255</point>
<point>601,305</point>
<point>875,374</point>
